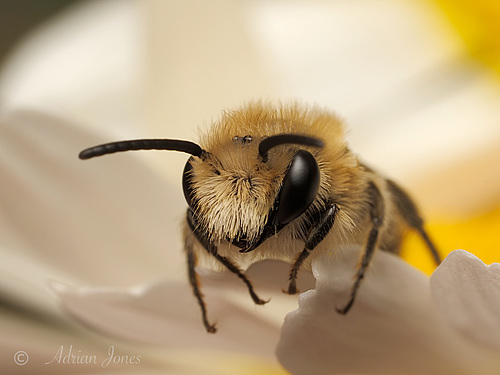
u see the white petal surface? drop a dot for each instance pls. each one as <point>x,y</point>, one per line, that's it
<point>41,337</point>
<point>269,275</point>
<point>467,292</point>
<point>393,327</point>
<point>110,220</point>
<point>167,313</point>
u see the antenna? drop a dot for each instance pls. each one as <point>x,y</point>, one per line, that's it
<point>143,144</point>
<point>281,139</point>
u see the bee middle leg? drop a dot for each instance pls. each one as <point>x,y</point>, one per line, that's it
<point>377,218</point>
<point>212,250</point>
<point>317,234</point>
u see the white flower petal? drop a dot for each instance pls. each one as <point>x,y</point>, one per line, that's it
<point>467,292</point>
<point>166,313</point>
<point>110,221</point>
<point>269,278</point>
<point>393,327</point>
<point>269,275</point>
<point>21,286</point>
<point>40,337</point>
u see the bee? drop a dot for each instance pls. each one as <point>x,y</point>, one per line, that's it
<point>280,182</point>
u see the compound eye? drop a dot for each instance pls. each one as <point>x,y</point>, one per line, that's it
<point>187,186</point>
<point>299,188</point>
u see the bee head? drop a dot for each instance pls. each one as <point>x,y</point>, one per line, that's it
<point>240,193</point>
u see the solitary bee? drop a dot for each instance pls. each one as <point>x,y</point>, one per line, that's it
<point>280,182</point>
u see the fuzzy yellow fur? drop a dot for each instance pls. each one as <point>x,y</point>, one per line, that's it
<point>235,190</point>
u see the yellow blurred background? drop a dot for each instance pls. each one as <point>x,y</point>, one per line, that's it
<point>478,25</point>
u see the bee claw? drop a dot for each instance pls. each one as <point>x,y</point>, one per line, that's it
<point>211,328</point>
<point>292,289</point>
<point>262,301</point>
<point>344,310</point>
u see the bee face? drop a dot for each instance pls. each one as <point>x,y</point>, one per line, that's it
<point>230,192</point>
<point>240,196</point>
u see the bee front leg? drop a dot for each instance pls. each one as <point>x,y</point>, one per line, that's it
<point>377,218</point>
<point>195,285</point>
<point>317,233</point>
<point>212,250</point>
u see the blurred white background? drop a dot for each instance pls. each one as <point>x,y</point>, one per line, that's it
<point>416,106</point>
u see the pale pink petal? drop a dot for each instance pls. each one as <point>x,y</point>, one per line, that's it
<point>110,220</point>
<point>269,275</point>
<point>467,292</point>
<point>166,313</point>
<point>393,327</point>
<point>29,341</point>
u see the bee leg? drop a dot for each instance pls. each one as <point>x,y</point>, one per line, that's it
<point>410,214</point>
<point>316,234</point>
<point>377,218</point>
<point>195,285</point>
<point>212,250</point>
